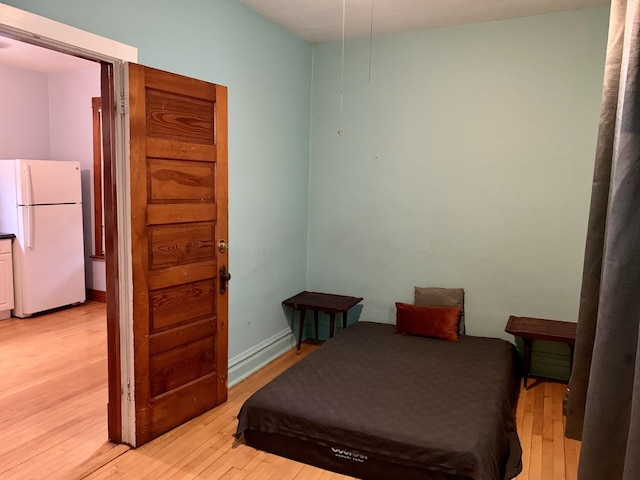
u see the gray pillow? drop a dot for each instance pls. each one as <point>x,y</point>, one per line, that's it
<point>441,297</point>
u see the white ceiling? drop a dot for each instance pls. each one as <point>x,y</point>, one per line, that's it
<point>321,20</point>
<point>31,57</point>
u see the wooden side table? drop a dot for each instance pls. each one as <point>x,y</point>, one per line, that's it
<point>321,302</point>
<point>530,329</point>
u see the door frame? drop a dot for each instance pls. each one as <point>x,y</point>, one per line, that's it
<point>44,32</point>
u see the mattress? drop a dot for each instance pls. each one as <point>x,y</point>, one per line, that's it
<point>376,405</point>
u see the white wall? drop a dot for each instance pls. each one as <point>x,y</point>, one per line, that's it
<point>466,161</point>
<point>48,116</point>
<point>24,114</point>
<point>71,138</point>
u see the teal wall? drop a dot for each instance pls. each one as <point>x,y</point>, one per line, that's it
<point>268,73</point>
<point>466,161</point>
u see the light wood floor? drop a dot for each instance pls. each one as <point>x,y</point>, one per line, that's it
<point>53,397</point>
<point>53,393</point>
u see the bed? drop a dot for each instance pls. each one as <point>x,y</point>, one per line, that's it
<point>373,404</point>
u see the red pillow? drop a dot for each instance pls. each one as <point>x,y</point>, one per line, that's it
<point>437,322</point>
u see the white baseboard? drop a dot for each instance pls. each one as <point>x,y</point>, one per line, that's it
<point>248,362</point>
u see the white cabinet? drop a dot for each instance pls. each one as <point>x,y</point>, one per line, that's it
<point>6,278</point>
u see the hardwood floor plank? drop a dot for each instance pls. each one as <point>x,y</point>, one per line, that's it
<point>538,408</point>
<point>105,454</point>
<point>535,468</point>
<point>546,464</point>
<point>264,471</point>
<point>547,412</point>
<point>215,456</point>
<point>526,433</point>
<point>233,474</point>
<point>233,458</point>
<point>291,471</point>
<point>559,390</point>
<point>255,461</point>
<point>558,451</point>
<point>307,472</point>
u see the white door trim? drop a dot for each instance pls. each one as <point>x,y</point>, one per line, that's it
<point>32,28</point>
<point>42,31</point>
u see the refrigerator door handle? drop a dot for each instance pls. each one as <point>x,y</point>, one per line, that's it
<point>29,183</point>
<point>29,226</point>
<point>29,191</point>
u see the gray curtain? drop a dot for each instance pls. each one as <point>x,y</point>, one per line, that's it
<point>603,404</point>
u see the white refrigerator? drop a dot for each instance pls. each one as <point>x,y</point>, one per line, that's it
<point>41,203</point>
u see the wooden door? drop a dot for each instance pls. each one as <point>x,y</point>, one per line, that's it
<point>178,129</point>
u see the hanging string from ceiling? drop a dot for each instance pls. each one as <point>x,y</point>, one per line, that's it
<point>371,41</point>
<point>344,11</point>
<point>344,16</point>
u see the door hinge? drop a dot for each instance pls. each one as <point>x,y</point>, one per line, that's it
<point>122,103</point>
<point>129,391</point>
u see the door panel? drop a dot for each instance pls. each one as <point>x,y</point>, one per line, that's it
<point>181,243</point>
<point>178,214</point>
<point>187,181</point>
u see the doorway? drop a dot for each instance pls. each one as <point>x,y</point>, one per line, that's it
<point>65,352</point>
<point>33,29</point>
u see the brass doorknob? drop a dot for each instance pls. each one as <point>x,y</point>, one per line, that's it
<point>222,246</point>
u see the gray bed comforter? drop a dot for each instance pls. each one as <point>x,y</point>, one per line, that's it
<point>447,406</point>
